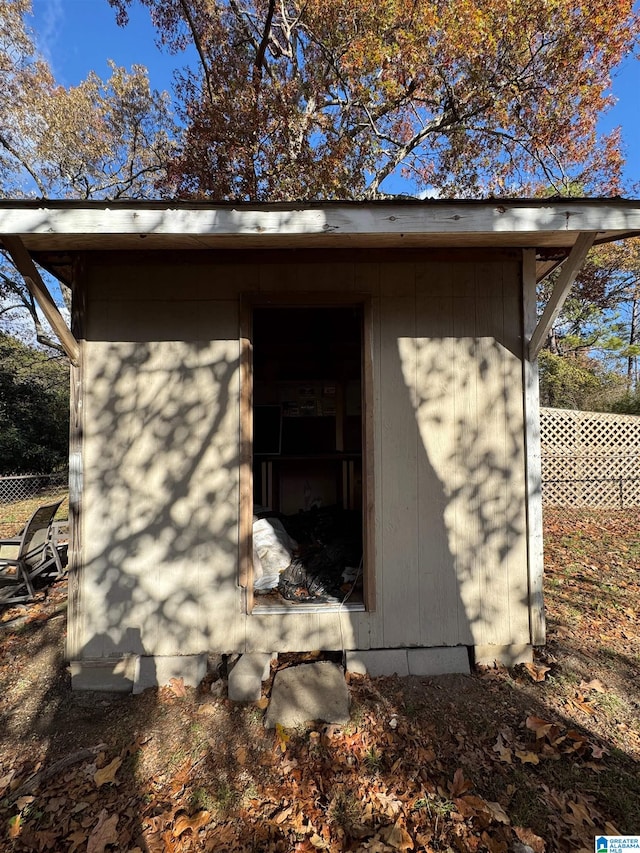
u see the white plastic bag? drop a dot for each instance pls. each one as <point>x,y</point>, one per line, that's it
<point>274,548</point>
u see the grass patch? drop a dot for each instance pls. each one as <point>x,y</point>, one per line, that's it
<point>13,516</point>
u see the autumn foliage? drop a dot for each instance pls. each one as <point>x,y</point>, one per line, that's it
<point>330,98</point>
<point>99,139</point>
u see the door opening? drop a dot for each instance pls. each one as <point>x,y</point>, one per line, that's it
<point>307,463</point>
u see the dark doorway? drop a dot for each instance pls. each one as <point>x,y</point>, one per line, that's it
<point>307,455</point>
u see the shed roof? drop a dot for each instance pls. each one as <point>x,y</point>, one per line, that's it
<point>543,224</point>
<point>52,232</point>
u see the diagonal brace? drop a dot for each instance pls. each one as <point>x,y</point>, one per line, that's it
<point>570,269</point>
<point>38,289</point>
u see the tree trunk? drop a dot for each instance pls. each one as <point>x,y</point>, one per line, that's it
<point>633,335</point>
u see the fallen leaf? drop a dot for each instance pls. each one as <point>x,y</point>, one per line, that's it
<point>582,704</point>
<point>397,837</point>
<point>494,845</point>
<point>503,751</point>
<point>194,823</point>
<point>580,813</point>
<point>108,773</point>
<point>282,737</point>
<point>76,840</point>
<point>530,839</point>
<point>498,813</point>
<point>104,833</point>
<point>537,671</point>
<point>594,684</point>
<point>262,703</point>
<point>176,685</point>
<point>598,751</point>
<point>527,757</point>
<point>6,780</point>
<point>318,842</point>
<point>470,805</point>
<point>390,805</point>
<point>281,816</point>
<point>15,826</point>
<point>538,725</point>
<point>424,839</point>
<point>459,784</point>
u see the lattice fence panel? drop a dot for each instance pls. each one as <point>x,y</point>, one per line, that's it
<point>590,459</point>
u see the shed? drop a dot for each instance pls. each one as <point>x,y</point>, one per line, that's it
<point>364,373</point>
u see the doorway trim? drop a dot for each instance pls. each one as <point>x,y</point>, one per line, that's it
<point>322,299</point>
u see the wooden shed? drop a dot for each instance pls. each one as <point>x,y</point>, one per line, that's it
<point>370,367</point>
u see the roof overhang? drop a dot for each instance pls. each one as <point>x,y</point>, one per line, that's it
<point>546,225</point>
<point>557,229</point>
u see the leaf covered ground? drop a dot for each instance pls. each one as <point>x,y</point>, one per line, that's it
<point>538,758</point>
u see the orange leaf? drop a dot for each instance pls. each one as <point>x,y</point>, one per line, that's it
<point>537,671</point>
<point>15,826</point>
<point>538,725</point>
<point>582,705</point>
<point>108,773</point>
<point>530,839</point>
<point>184,822</point>
<point>176,685</point>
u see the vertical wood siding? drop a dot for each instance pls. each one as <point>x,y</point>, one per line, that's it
<point>162,448</point>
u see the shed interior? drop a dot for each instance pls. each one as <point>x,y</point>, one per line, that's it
<point>307,455</point>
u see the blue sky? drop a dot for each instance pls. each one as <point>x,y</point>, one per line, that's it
<point>78,36</point>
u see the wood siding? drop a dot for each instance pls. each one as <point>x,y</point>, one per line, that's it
<point>162,454</point>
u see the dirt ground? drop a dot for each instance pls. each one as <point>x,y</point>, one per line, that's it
<point>538,758</point>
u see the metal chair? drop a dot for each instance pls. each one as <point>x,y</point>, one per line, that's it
<point>34,555</point>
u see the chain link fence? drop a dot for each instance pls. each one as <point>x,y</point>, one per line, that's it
<point>20,487</point>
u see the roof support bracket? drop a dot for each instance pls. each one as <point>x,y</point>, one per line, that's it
<point>569,271</point>
<point>38,289</point>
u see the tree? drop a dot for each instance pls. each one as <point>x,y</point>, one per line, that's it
<point>34,409</point>
<point>610,283</point>
<point>100,139</point>
<point>575,381</point>
<point>597,331</point>
<point>329,98</point>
